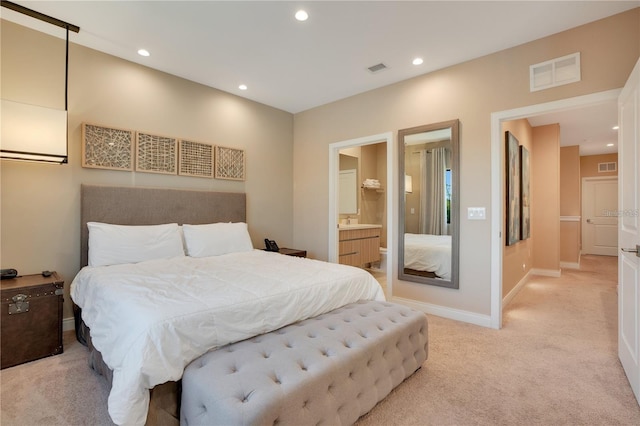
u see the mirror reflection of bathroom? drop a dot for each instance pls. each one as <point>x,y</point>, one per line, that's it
<point>362,221</point>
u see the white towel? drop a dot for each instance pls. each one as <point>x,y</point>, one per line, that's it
<point>371,183</point>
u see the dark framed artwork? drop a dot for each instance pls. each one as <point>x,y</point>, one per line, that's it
<point>525,194</point>
<point>512,154</point>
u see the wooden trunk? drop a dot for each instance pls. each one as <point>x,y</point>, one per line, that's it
<point>31,321</point>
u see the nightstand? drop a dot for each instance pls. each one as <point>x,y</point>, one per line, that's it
<point>293,252</point>
<point>31,318</point>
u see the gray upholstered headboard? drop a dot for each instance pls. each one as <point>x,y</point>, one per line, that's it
<point>155,206</point>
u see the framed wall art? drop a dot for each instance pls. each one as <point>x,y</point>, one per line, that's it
<point>525,194</point>
<point>107,147</point>
<point>230,163</point>
<point>156,154</point>
<point>195,159</point>
<point>512,154</point>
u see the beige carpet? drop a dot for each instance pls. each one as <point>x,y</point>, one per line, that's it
<point>553,363</point>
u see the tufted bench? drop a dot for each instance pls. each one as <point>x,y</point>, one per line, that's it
<point>330,369</point>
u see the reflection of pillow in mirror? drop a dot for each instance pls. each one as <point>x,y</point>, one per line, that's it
<point>215,239</point>
<point>116,244</point>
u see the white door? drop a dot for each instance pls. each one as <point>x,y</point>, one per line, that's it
<point>629,231</point>
<point>599,217</point>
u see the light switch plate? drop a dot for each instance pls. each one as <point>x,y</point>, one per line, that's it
<point>476,213</point>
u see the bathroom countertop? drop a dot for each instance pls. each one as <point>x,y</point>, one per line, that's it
<point>358,226</point>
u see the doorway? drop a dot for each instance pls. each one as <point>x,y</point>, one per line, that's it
<point>497,178</point>
<point>389,192</point>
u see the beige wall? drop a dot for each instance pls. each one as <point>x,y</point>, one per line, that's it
<point>570,200</point>
<point>589,165</point>
<point>517,259</point>
<point>570,181</point>
<point>570,243</point>
<point>41,203</point>
<point>381,209</point>
<point>471,92</point>
<point>374,166</point>
<point>545,193</point>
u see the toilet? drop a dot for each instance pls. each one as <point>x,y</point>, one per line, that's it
<point>383,259</point>
<point>380,266</point>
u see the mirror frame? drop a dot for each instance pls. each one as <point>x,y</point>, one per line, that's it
<point>455,201</point>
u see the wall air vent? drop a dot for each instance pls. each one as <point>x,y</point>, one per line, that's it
<point>607,167</point>
<point>377,68</point>
<point>555,72</point>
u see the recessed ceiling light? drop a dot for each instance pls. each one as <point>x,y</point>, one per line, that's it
<point>615,127</point>
<point>243,87</point>
<point>302,15</point>
<point>143,52</point>
<point>417,61</point>
<point>609,144</point>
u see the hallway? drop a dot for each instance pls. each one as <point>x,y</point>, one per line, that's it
<point>573,297</point>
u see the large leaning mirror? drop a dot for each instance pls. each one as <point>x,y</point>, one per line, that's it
<point>429,213</point>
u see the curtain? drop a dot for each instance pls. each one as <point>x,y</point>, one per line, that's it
<point>433,205</point>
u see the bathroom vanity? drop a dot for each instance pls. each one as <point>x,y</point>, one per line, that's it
<point>359,244</point>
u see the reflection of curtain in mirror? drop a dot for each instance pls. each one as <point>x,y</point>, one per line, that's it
<point>433,206</point>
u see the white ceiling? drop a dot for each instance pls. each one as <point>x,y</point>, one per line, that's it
<point>295,65</point>
<point>591,127</point>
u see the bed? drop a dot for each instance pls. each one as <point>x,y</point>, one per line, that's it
<point>428,255</point>
<point>207,300</point>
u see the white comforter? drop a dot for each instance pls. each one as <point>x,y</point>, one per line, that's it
<point>150,319</point>
<point>425,252</point>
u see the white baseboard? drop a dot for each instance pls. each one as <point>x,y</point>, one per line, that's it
<point>68,324</point>
<point>515,290</point>
<point>569,265</point>
<point>547,272</point>
<point>441,311</point>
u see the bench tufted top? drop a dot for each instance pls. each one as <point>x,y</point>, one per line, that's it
<point>329,369</point>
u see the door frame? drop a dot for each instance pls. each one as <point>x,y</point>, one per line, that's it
<point>497,179</point>
<point>582,215</point>
<point>334,168</point>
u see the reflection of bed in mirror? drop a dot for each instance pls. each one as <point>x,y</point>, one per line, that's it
<point>428,255</point>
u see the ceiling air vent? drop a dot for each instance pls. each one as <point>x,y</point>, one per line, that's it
<point>607,167</point>
<point>377,68</point>
<point>555,72</point>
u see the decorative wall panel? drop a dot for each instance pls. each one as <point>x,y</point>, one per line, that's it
<point>230,163</point>
<point>196,159</point>
<point>156,154</point>
<point>107,147</point>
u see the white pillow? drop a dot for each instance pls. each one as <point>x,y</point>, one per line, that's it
<point>215,239</point>
<point>116,244</point>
